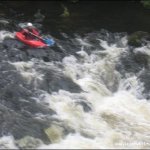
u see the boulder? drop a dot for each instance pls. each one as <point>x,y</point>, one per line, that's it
<point>28,142</point>
<point>138,38</point>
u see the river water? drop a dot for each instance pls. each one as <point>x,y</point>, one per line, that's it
<point>89,91</point>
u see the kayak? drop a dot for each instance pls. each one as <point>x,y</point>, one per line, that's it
<point>36,43</point>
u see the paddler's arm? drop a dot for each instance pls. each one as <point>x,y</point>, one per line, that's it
<point>24,31</point>
<point>35,31</point>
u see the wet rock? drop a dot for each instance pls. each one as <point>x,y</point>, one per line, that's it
<point>14,50</point>
<point>55,82</point>
<point>36,53</point>
<point>14,89</point>
<point>28,142</point>
<point>47,54</point>
<point>141,58</point>
<point>12,43</point>
<point>3,54</point>
<point>57,131</point>
<point>86,106</point>
<point>87,134</point>
<point>137,38</point>
<point>20,112</point>
<point>54,133</point>
<point>145,78</point>
<point>20,125</point>
<point>39,17</point>
<point>46,59</point>
<point>132,62</point>
<point>4,21</point>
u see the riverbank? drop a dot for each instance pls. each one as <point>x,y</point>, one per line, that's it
<point>84,16</point>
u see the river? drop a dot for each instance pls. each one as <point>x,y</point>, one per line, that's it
<point>89,91</point>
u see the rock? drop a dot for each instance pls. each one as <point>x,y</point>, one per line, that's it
<point>54,133</point>
<point>4,21</point>
<point>28,142</point>
<point>141,56</point>
<point>145,79</point>
<point>58,131</point>
<point>54,81</point>
<point>138,38</point>
<point>39,17</point>
<point>86,106</point>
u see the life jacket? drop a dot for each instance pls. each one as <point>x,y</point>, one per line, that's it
<point>33,30</point>
<point>29,36</point>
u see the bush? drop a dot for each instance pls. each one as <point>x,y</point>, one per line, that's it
<point>146,3</point>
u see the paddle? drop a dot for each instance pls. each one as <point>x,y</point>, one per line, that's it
<point>47,41</point>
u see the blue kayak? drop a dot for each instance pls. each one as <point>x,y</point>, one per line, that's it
<point>49,42</point>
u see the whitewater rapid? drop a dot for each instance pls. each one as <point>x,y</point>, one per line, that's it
<point>113,114</point>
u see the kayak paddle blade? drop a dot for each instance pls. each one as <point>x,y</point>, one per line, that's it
<point>49,42</point>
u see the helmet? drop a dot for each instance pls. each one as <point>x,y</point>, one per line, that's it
<point>29,24</point>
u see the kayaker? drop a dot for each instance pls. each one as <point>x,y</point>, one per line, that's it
<point>30,31</point>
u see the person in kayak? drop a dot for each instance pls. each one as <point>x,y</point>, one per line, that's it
<point>30,32</point>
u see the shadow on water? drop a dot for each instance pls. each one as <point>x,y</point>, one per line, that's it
<point>84,16</point>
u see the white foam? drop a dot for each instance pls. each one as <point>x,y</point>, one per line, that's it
<point>117,120</point>
<point>6,34</point>
<point>7,142</point>
<point>27,70</point>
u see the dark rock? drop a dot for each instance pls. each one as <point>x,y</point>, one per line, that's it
<point>39,17</point>
<point>19,125</point>
<point>145,78</point>
<point>19,110</point>
<point>54,81</point>
<point>132,61</point>
<point>137,38</point>
<point>141,58</point>
<point>86,106</point>
<point>13,49</point>
<point>47,54</point>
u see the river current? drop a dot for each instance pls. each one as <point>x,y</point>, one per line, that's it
<point>88,91</point>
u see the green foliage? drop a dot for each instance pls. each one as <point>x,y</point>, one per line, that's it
<point>146,3</point>
<point>65,12</point>
<point>135,39</point>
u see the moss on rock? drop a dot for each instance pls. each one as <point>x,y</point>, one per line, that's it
<point>146,3</point>
<point>137,38</point>
<point>28,142</point>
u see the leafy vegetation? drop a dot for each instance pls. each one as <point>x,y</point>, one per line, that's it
<point>146,3</point>
<point>65,12</point>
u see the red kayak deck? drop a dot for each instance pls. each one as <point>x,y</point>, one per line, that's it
<point>36,43</point>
